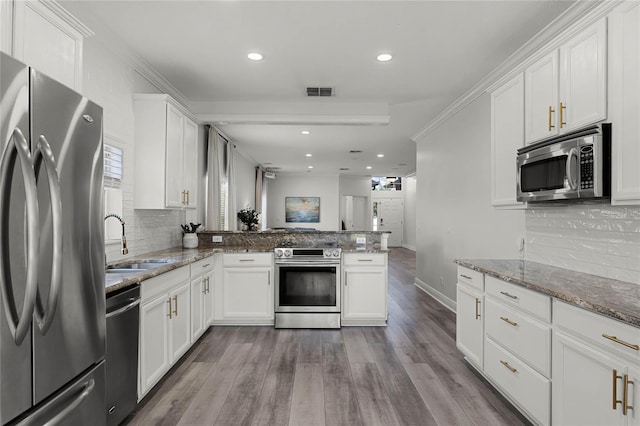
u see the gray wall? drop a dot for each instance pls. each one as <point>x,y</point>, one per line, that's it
<point>455,218</point>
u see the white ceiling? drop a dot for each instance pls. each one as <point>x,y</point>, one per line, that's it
<point>440,50</point>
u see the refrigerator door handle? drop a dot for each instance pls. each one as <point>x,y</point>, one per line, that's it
<point>17,148</point>
<point>43,154</point>
<point>83,393</point>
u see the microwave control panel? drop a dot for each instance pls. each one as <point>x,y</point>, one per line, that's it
<point>586,167</point>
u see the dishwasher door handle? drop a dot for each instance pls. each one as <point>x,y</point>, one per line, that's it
<point>132,303</point>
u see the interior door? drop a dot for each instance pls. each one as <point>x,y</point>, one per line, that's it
<point>75,339</point>
<point>390,213</point>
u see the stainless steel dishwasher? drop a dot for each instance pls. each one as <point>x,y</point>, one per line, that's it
<point>123,321</point>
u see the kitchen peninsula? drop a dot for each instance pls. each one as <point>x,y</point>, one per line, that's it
<point>235,282</point>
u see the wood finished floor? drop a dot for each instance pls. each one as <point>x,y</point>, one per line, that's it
<point>408,373</point>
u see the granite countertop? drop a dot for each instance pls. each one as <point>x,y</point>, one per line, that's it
<point>177,257</point>
<point>616,299</point>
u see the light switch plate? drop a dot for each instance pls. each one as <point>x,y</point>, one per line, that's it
<point>362,240</point>
<point>216,239</point>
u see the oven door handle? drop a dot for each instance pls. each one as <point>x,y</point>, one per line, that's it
<point>572,180</point>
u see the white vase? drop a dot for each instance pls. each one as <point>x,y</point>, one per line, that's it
<point>190,240</point>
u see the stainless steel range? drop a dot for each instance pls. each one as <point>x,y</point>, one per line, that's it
<point>307,287</point>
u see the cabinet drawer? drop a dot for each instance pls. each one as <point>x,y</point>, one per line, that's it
<point>163,283</point>
<point>364,259</point>
<point>248,259</point>
<point>623,339</point>
<point>201,266</point>
<point>535,304</point>
<point>521,383</point>
<point>468,276</point>
<point>522,335</point>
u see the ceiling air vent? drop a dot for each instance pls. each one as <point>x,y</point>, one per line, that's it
<point>344,169</point>
<point>355,151</point>
<point>319,91</point>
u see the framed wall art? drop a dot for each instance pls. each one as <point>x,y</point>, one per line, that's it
<point>302,209</point>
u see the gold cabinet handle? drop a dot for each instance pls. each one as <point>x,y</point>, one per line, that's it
<point>615,400</point>
<point>621,342</point>
<point>204,286</point>
<point>508,295</point>
<point>365,260</point>
<point>184,197</point>
<point>506,364</point>
<point>208,282</point>
<point>625,395</point>
<point>187,197</point>
<point>477,308</point>
<point>508,321</point>
<point>175,301</point>
<point>562,108</point>
<point>169,314</point>
<point>466,276</point>
<point>247,260</point>
<point>551,111</point>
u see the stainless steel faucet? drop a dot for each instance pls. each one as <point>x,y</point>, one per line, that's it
<point>125,250</point>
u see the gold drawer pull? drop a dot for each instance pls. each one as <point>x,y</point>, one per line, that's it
<point>508,321</point>
<point>466,276</point>
<point>365,260</point>
<point>625,395</point>
<point>508,295</point>
<point>205,265</point>
<point>506,364</point>
<point>622,342</point>
<point>477,308</point>
<point>247,260</point>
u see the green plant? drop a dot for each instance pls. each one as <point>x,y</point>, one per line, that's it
<point>250,218</point>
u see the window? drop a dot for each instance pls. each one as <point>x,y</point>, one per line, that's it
<point>112,174</point>
<point>386,183</point>
<point>223,206</point>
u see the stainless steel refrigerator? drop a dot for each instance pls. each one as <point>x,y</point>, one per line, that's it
<point>52,319</point>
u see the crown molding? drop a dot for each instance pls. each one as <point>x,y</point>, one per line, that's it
<point>119,48</point>
<point>287,119</point>
<point>572,20</point>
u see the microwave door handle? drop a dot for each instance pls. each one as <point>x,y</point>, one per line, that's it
<point>573,181</point>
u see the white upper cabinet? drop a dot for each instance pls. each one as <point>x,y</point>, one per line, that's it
<point>541,85</point>
<point>507,135</point>
<point>567,88</point>
<point>624,45</point>
<point>47,37</point>
<point>165,155</point>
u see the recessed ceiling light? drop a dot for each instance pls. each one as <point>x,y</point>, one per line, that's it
<point>380,155</point>
<point>305,132</point>
<point>254,56</point>
<point>369,167</point>
<point>384,57</point>
<point>309,155</point>
<point>309,167</point>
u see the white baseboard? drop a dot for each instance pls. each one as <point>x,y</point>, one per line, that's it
<point>409,247</point>
<point>444,300</point>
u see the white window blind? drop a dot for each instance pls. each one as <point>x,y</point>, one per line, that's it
<point>223,206</point>
<point>112,167</point>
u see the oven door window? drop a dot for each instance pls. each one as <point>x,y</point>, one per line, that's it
<point>544,175</point>
<point>307,286</point>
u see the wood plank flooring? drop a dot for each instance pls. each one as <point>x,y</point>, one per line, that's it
<point>408,373</point>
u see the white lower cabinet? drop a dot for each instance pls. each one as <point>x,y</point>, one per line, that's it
<point>470,324</point>
<point>201,297</point>
<point>595,378</point>
<point>364,289</point>
<point>248,289</point>
<point>164,325</point>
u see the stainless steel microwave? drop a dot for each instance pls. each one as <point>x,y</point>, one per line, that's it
<point>568,167</point>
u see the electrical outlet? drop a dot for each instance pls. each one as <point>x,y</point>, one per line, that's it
<point>216,239</point>
<point>362,240</point>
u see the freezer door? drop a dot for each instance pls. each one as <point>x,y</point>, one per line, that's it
<point>69,331</point>
<point>15,359</point>
<point>80,403</point>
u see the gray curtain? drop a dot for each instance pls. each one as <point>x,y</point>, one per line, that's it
<point>214,171</point>
<point>232,213</point>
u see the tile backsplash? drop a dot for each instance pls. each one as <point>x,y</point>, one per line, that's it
<point>596,239</point>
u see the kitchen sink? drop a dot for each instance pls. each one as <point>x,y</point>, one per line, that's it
<point>137,267</point>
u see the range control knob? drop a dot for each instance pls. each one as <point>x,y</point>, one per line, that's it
<point>336,253</point>
<point>278,252</point>
<point>288,253</point>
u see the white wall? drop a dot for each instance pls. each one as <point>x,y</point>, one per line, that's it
<point>308,185</point>
<point>453,196</point>
<point>409,228</point>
